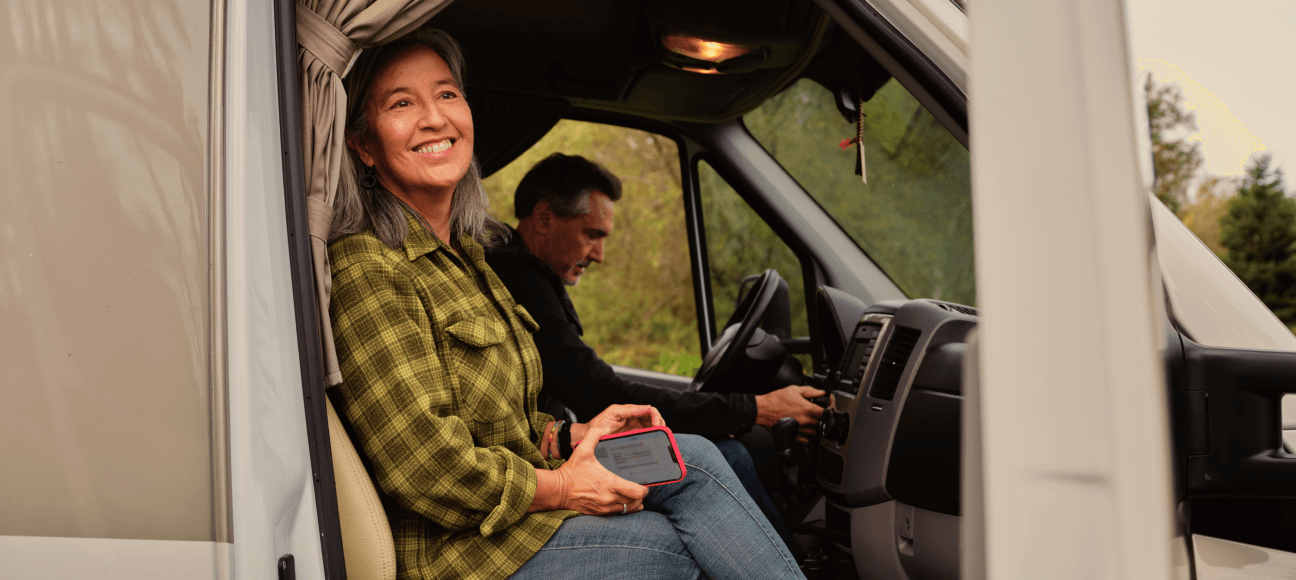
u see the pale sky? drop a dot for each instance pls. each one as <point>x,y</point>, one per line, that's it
<point>1236,63</point>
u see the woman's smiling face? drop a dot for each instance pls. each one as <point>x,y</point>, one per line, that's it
<point>420,128</point>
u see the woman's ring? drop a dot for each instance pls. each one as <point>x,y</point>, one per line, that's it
<point>624,508</point>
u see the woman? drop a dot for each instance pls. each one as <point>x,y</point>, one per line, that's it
<point>441,375</point>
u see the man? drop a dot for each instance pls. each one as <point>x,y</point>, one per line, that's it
<point>565,207</point>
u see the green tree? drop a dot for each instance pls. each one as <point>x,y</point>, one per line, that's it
<point>1175,158</point>
<point>1259,232</point>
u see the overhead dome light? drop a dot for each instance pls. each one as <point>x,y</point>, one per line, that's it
<point>702,49</point>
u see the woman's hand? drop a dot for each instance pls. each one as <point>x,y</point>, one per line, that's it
<point>618,419</point>
<point>593,490</point>
<point>584,485</point>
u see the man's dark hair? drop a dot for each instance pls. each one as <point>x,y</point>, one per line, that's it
<point>565,181</point>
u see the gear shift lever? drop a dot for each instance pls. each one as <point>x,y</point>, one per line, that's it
<point>785,433</point>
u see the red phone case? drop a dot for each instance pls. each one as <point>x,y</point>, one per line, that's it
<point>674,449</point>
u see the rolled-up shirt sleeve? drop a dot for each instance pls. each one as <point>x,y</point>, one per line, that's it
<point>408,419</point>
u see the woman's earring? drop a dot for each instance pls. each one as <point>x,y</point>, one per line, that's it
<point>369,181</point>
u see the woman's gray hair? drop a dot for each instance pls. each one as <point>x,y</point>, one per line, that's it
<point>358,208</point>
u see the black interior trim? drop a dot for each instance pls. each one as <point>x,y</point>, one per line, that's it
<point>309,352</point>
<point>927,73</point>
<point>507,124</point>
<point>906,63</point>
<point>1259,521</point>
<point>1230,422</point>
<point>702,291</point>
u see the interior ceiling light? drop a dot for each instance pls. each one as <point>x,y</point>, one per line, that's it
<point>702,49</point>
<point>705,71</point>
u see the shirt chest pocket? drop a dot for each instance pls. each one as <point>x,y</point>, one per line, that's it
<point>488,370</point>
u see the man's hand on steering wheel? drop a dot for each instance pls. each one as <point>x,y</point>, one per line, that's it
<point>790,402</point>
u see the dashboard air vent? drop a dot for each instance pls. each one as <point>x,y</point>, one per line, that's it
<point>959,308</point>
<point>894,359</point>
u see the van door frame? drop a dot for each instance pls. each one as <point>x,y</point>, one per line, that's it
<point>309,351</point>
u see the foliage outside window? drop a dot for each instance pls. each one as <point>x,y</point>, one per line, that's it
<point>1259,234</point>
<point>1221,130</point>
<point>637,306</point>
<point>914,217</point>
<point>1247,221</point>
<point>741,244</point>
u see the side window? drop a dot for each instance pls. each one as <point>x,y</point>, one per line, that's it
<point>740,244</point>
<point>636,307</point>
<point>913,214</point>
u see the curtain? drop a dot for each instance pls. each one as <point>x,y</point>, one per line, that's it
<point>328,34</point>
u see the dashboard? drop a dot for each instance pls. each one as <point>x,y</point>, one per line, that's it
<point>890,441</point>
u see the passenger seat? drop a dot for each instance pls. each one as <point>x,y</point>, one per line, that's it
<point>367,541</point>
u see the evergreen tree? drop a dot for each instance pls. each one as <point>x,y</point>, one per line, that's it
<point>1259,232</point>
<point>1174,161</point>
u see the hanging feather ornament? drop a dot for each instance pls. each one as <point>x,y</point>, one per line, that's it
<point>858,140</point>
<point>860,169</point>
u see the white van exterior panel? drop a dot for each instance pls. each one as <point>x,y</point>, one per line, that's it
<point>1217,559</point>
<point>273,489</point>
<point>106,429</point>
<point>1074,428</point>
<point>43,558</point>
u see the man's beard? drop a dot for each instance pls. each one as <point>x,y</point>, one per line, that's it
<point>576,279</point>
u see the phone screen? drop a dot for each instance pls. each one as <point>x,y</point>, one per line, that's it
<point>644,458</point>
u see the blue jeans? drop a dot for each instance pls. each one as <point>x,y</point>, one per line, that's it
<point>736,454</point>
<point>704,526</point>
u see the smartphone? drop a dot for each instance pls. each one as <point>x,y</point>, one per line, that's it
<point>645,456</point>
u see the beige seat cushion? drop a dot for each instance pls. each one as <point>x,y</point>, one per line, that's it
<point>366,536</point>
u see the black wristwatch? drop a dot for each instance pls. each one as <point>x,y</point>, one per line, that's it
<point>564,441</point>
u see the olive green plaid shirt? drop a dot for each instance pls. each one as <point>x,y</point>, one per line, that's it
<point>440,377</point>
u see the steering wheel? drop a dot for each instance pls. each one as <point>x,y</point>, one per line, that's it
<point>731,347</point>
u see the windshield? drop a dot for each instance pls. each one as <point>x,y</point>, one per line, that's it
<point>911,210</point>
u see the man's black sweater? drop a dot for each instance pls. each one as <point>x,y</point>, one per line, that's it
<point>576,377</point>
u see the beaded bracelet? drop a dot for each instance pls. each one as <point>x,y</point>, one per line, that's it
<point>549,443</point>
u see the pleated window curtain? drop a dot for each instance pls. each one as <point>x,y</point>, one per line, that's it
<point>329,32</point>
